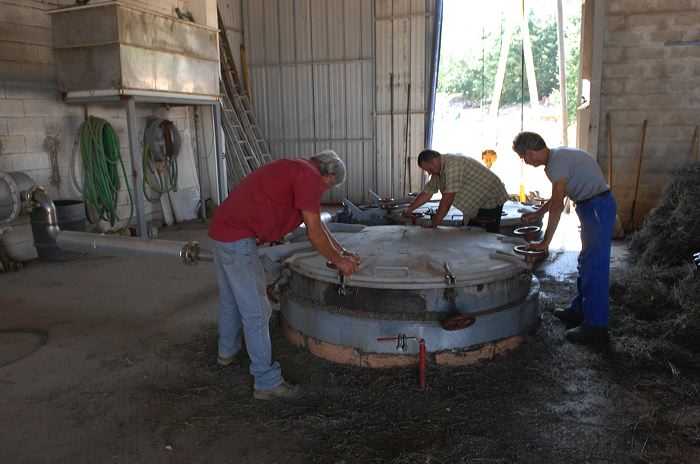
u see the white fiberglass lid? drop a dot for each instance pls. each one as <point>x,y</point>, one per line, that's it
<point>414,257</point>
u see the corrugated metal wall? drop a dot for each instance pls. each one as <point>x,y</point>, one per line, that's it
<point>403,55</point>
<point>335,74</point>
<point>232,15</point>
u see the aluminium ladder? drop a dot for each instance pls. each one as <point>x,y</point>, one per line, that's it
<point>244,140</point>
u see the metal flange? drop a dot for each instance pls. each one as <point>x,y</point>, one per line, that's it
<point>12,184</point>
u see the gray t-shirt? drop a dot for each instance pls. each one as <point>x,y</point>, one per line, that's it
<point>583,175</point>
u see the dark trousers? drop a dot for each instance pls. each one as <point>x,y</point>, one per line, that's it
<point>492,214</point>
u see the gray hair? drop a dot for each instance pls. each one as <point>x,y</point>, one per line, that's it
<point>528,141</point>
<point>330,164</point>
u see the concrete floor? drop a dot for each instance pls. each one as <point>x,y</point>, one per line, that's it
<point>73,335</point>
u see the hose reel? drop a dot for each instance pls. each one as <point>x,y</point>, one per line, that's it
<point>161,147</point>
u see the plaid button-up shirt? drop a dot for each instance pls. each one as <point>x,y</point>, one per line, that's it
<point>475,186</point>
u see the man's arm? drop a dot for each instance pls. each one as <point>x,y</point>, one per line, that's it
<point>555,206</point>
<point>417,202</point>
<point>343,252</point>
<point>319,238</point>
<point>443,208</point>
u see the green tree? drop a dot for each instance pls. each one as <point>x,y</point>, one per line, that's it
<point>460,77</point>
<point>473,76</point>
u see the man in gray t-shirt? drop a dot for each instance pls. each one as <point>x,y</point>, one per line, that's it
<point>574,173</point>
<point>584,177</point>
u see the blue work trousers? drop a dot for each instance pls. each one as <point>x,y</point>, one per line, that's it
<point>597,218</point>
<point>244,303</point>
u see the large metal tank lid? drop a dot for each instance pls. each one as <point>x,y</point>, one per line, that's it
<point>512,210</point>
<point>414,257</point>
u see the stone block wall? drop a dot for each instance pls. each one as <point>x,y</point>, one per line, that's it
<point>648,73</point>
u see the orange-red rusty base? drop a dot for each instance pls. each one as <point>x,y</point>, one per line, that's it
<point>353,356</point>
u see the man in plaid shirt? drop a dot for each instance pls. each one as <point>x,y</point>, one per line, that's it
<point>470,186</point>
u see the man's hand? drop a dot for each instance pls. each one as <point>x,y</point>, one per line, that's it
<point>429,225</point>
<point>352,255</point>
<point>347,266</point>
<point>407,212</point>
<point>538,246</point>
<point>529,217</point>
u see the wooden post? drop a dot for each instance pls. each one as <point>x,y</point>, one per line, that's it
<point>529,61</point>
<point>501,71</point>
<point>562,75</point>
<point>407,151</point>
<point>246,79</point>
<point>639,172</point>
<point>608,127</point>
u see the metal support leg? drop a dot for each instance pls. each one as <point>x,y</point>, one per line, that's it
<point>136,168</point>
<point>222,183</point>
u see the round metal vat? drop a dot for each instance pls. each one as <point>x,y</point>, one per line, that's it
<point>510,217</point>
<point>410,281</point>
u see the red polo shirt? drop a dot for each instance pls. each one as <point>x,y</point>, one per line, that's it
<point>267,204</point>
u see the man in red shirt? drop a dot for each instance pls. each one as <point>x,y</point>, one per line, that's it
<point>271,202</point>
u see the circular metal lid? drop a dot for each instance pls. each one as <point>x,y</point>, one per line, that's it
<point>414,257</point>
<point>512,211</point>
<point>453,217</point>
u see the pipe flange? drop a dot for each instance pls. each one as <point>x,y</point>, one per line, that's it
<point>190,253</point>
<point>11,196</point>
<point>29,195</point>
<point>415,217</point>
<point>530,256</point>
<point>529,233</point>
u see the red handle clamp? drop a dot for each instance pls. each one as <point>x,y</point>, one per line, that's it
<point>458,322</point>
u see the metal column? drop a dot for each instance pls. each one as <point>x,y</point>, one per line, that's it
<point>222,183</point>
<point>136,168</point>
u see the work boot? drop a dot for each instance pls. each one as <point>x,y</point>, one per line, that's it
<point>587,334</point>
<point>226,361</point>
<point>568,316</point>
<point>284,391</point>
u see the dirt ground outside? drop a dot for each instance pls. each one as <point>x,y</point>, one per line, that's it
<point>160,397</point>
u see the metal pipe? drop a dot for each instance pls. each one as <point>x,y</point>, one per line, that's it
<point>402,347</point>
<point>281,252</point>
<point>422,364</point>
<point>300,231</point>
<point>114,245</point>
<point>219,148</point>
<point>38,198</point>
<point>188,252</point>
<point>434,65</point>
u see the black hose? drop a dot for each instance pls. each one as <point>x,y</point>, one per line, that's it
<point>161,147</point>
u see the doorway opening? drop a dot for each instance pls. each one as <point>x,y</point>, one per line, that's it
<point>500,73</point>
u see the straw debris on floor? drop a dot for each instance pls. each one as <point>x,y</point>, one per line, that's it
<point>656,298</point>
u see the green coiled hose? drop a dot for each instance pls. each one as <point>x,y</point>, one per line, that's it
<point>99,150</point>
